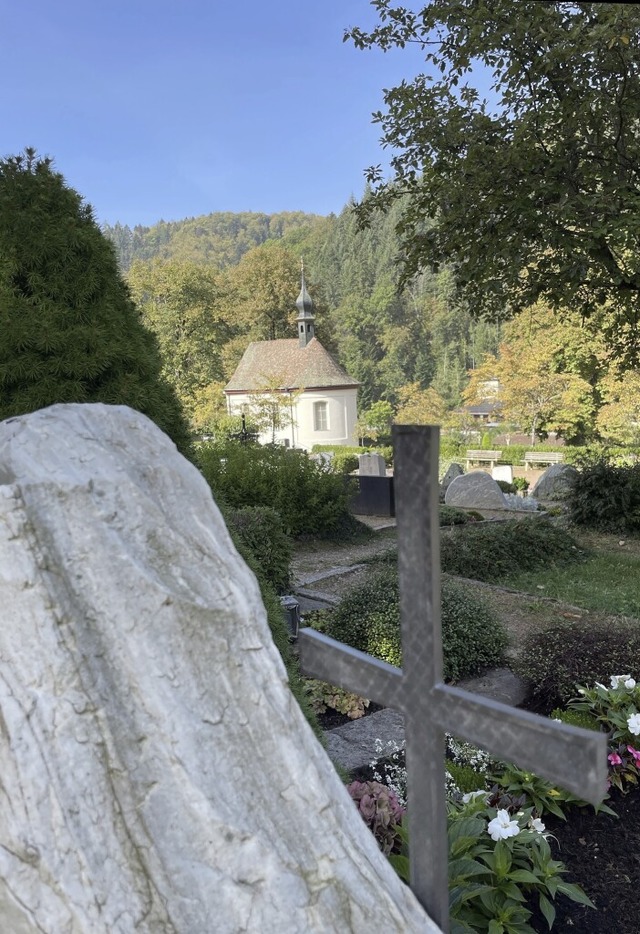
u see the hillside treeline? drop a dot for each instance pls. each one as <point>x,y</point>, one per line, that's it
<point>208,285</point>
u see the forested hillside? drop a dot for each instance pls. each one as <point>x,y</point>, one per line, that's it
<point>219,240</point>
<point>209,285</point>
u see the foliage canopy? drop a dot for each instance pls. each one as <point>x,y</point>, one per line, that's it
<point>70,332</point>
<point>534,193</point>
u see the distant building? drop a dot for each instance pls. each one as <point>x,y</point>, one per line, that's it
<point>487,410</point>
<point>315,398</point>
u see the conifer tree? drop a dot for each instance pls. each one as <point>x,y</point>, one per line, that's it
<point>69,329</point>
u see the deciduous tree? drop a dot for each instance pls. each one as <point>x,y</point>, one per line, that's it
<point>181,302</point>
<point>547,370</point>
<point>531,191</point>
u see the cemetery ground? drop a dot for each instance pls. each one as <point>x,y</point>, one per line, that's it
<point>600,851</point>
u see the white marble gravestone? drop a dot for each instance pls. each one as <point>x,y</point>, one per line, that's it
<point>157,774</point>
<point>372,465</point>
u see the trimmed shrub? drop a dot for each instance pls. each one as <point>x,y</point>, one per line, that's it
<point>491,551</point>
<point>555,660</point>
<point>606,497</point>
<point>369,619</point>
<point>343,462</point>
<point>260,528</point>
<point>452,447</point>
<point>451,515</point>
<point>506,487</point>
<point>311,499</point>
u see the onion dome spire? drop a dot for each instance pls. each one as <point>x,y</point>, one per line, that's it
<point>305,312</point>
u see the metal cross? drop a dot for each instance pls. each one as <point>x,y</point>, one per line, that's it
<point>573,758</point>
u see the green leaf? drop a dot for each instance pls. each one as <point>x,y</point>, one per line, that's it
<point>465,867</point>
<point>524,875</point>
<point>502,859</point>
<point>547,910</point>
<point>401,865</point>
<point>575,893</point>
<point>495,927</point>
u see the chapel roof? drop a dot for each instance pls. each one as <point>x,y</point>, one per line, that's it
<point>295,367</point>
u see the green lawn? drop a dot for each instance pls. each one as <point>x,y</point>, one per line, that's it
<point>606,582</point>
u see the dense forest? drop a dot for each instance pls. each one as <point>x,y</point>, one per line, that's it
<point>208,285</point>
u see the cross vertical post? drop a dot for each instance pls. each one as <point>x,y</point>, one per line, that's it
<point>416,495</point>
<point>566,755</point>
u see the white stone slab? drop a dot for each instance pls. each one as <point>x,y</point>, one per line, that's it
<point>157,774</point>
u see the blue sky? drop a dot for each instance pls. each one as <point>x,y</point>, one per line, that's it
<point>174,108</point>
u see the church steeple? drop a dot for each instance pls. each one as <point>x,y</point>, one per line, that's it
<point>305,313</point>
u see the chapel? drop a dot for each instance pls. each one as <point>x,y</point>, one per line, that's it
<point>318,403</point>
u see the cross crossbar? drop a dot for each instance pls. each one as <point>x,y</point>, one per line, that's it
<point>571,757</point>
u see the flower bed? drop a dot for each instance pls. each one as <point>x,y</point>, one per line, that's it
<point>508,830</point>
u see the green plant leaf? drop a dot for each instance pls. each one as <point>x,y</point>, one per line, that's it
<point>575,893</point>
<point>524,875</point>
<point>547,910</point>
<point>464,867</point>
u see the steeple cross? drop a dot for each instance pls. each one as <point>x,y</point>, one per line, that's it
<point>573,758</point>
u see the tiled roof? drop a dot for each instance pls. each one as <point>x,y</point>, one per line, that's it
<point>294,367</point>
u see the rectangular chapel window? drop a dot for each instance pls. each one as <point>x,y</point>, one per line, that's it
<point>320,416</point>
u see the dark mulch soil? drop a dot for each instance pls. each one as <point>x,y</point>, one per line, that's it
<point>332,719</point>
<point>602,854</point>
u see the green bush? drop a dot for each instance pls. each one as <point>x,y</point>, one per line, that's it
<point>513,454</point>
<point>519,483</point>
<point>311,499</point>
<point>451,515</point>
<point>342,450</point>
<point>452,447</point>
<point>260,529</point>
<point>368,619</point>
<point>555,660</point>
<point>506,487</point>
<point>491,551</point>
<point>606,497</point>
<point>343,462</point>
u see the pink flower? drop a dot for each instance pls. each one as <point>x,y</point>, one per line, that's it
<point>634,753</point>
<point>614,758</point>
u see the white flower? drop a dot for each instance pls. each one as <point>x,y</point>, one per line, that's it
<point>630,683</point>
<point>502,827</point>
<point>537,825</point>
<point>616,679</point>
<point>633,722</point>
<point>471,795</point>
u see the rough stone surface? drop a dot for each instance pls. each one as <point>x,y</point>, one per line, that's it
<point>354,745</point>
<point>372,465</point>
<point>499,684</point>
<point>453,470</point>
<point>555,482</point>
<point>475,490</point>
<point>157,774</point>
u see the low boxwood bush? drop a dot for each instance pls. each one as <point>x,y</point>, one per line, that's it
<point>368,618</point>
<point>260,528</point>
<point>311,499</point>
<point>344,453</point>
<point>451,515</point>
<point>555,660</point>
<point>494,550</point>
<point>606,497</point>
